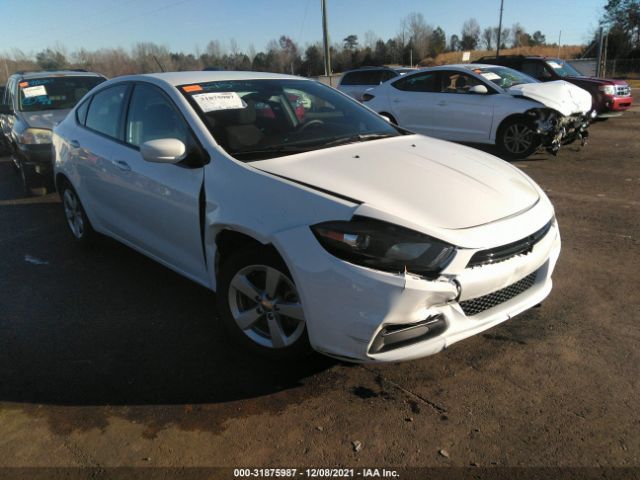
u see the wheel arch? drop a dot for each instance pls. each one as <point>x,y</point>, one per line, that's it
<point>228,241</point>
<point>514,116</point>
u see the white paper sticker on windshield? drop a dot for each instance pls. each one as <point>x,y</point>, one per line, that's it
<point>210,102</point>
<point>490,76</point>
<point>36,91</point>
<point>554,65</point>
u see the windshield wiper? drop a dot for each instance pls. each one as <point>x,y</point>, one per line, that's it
<point>269,152</point>
<point>360,137</point>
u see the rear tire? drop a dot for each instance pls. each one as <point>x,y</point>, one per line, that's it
<point>517,138</point>
<point>77,220</point>
<point>259,305</point>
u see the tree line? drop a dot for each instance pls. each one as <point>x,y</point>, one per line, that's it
<point>416,42</point>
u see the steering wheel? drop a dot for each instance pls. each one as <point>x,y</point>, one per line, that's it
<point>306,125</point>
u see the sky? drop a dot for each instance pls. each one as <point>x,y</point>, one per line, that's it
<point>188,25</point>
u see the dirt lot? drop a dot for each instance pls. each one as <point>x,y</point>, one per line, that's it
<point>109,359</point>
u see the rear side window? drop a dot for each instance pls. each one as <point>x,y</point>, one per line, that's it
<point>367,77</point>
<point>420,82</point>
<point>152,116</point>
<point>81,112</point>
<point>105,111</point>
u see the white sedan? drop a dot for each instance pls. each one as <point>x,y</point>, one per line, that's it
<point>318,224</point>
<point>486,104</point>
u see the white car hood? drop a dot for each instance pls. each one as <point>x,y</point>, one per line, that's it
<point>566,98</point>
<point>428,182</point>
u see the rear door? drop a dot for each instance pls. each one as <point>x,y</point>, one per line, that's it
<point>462,114</point>
<point>413,100</point>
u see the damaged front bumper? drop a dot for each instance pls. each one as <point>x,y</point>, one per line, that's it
<point>364,315</point>
<point>555,129</point>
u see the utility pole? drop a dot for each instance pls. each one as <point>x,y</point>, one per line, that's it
<point>325,40</point>
<point>500,28</point>
<point>559,38</point>
<point>599,64</point>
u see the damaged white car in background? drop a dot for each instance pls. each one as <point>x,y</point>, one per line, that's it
<point>318,224</point>
<point>490,104</point>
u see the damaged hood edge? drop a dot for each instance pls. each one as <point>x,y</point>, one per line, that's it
<point>566,98</point>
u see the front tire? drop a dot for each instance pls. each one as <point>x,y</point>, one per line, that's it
<point>259,305</point>
<point>77,220</point>
<point>517,138</point>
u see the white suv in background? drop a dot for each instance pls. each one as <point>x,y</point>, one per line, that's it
<point>355,82</point>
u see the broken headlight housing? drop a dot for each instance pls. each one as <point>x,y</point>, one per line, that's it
<point>384,246</point>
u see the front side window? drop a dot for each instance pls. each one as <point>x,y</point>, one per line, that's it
<point>536,70</point>
<point>258,119</point>
<point>56,93</point>
<point>456,82</point>
<point>105,111</point>
<point>152,116</point>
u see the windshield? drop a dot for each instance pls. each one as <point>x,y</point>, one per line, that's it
<point>258,119</point>
<point>56,93</point>
<point>564,69</point>
<point>504,77</point>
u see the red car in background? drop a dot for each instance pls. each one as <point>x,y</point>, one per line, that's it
<point>610,97</point>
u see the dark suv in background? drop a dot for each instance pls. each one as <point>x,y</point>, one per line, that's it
<point>355,82</point>
<point>610,97</point>
<point>32,104</point>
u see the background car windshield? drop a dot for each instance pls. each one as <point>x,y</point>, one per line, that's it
<point>504,77</point>
<point>57,93</point>
<point>564,69</point>
<point>257,119</point>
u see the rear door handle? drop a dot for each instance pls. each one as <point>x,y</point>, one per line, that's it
<point>74,143</point>
<point>442,103</point>
<point>122,165</point>
<point>396,100</point>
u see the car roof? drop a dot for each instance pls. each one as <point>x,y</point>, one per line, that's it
<point>184,78</point>
<point>57,73</point>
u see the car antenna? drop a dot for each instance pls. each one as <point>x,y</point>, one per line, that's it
<point>158,62</point>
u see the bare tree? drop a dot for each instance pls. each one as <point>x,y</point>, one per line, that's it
<point>470,34</point>
<point>420,34</point>
<point>370,39</point>
<point>487,38</point>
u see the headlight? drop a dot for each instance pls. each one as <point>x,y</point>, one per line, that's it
<point>383,246</point>
<point>35,136</point>
<point>607,89</point>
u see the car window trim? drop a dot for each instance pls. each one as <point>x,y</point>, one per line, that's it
<point>194,138</point>
<point>127,93</point>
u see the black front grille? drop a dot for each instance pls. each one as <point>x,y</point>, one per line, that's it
<point>477,305</point>
<point>505,252</point>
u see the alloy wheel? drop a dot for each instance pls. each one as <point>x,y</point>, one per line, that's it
<point>73,212</point>
<point>517,138</point>
<point>266,307</point>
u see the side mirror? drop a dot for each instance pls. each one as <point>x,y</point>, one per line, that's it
<point>479,89</point>
<point>6,109</point>
<point>163,150</point>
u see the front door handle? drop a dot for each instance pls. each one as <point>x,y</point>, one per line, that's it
<point>74,143</point>
<point>122,165</point>
<point>442,103</point>
<point>396,100</point>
